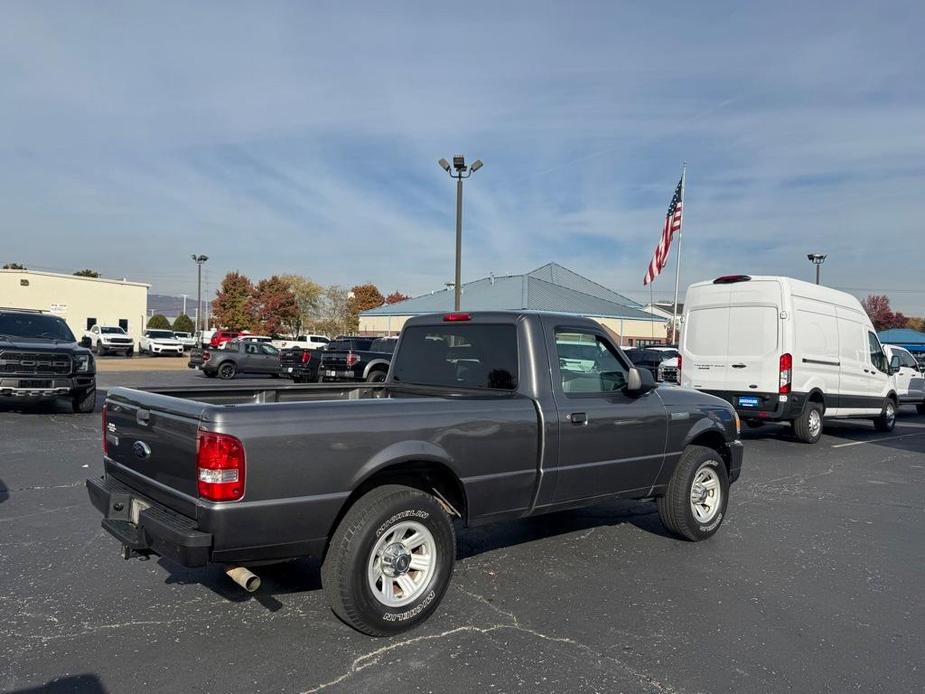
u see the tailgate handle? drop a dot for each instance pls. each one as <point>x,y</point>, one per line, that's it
<point>143,417</point>
<point>738,366</point>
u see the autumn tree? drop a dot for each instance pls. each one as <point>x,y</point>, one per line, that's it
<point>87,273</point>
<point>916,323</point>
<point>14,266</point>
<point>183,324</point>
<point>273,306</point>
<point>308,297</point>
<point>395,297</point>
<point>880,314</point>
<point>158,322</point>
<point>232,306</point>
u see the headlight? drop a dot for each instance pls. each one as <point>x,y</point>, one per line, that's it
<point>83,363</point>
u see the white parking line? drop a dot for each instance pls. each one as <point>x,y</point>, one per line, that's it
<point>883,438</point>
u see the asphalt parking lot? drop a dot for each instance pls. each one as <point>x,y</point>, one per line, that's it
<point>814,584</point>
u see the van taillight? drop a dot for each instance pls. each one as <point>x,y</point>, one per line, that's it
<point>352,359</point>
<point>105,429</point>
<point>306,356</point>
<point>220,466</point>
<point>786,374</point>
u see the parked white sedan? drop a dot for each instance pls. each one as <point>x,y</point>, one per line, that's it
<point>155,342</point>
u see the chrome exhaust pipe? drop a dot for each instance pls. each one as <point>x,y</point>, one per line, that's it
<point>244,578</point>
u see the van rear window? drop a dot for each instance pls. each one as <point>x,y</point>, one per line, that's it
<point>460,356</point>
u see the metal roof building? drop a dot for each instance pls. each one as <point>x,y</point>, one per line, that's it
<point>913,340</point>
<point>551,287</point>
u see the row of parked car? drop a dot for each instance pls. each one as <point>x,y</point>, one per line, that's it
<point>346,358</point>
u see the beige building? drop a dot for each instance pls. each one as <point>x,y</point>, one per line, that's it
<point>551,288</point>
<point>80,301</point>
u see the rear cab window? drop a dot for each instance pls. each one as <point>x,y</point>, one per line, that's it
<point>480,356</point>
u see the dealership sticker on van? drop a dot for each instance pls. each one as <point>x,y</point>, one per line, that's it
<point>748,402</point>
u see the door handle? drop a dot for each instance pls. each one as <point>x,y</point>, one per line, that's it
<point>578,418</point>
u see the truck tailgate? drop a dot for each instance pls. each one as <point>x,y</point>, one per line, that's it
<point>154,437</point>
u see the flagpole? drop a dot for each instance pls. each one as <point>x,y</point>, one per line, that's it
<point>677,271</point>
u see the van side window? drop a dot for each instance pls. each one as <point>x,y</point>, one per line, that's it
<point>877,357</point>
<point>588,364</point>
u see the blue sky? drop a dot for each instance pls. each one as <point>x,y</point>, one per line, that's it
<point>303,137</point>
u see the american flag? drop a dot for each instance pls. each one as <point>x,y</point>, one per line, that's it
<point>672,224</point>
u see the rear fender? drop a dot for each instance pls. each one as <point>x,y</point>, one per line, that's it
<point>402,452</point>
<point>375,364</point>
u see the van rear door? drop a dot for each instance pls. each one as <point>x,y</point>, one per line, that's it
<point>754,346</point>
<point>706,339</point>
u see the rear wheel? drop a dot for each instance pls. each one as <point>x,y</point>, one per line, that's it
<point>227,370</point>
<point>808,426</point>
<point>887,419</point>
<point>390,561</point>
<point>84,401</point>
<point>695,503</point>
<point>377,376</point>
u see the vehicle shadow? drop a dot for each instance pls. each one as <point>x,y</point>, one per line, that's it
<point>304,575</point>
<point>85,683</point>
<point>59,406</point>
<point>4,491</point>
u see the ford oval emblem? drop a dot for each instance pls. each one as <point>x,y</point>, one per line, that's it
<point>141,450</point>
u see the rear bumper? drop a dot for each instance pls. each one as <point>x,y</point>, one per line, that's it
<point>47,388</point>
<point>770,406</point>
<point>158,531</point>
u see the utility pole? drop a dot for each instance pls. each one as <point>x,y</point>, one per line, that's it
<point>199,260</point>
<point>184,303</point>
<point>461,171</point>
<point>816,259</point>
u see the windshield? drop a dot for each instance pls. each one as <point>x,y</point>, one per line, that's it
<point>466,356</point>
<point>35,326</point>
<point>112,331</point>
<point>160,334</point>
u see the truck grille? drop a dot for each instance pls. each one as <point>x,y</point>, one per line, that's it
<point>120,340</point>
<point>34,364</point>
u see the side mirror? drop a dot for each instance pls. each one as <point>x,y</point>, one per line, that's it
<point>639,381</point>
<point>894,364</point>
<point>86,342</point>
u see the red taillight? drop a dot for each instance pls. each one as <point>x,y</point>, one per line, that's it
<point>220,466</point>
<point>205,356</point>
<point>452,317</point>
<point>680,361</point>
<point>306,357</point>
<point>352,359</point>
<point>105,429</point>
<point>786,374</point>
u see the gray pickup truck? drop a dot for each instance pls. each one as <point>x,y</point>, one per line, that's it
<point>483,417</point>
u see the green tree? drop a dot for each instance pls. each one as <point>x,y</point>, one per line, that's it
<point>87,273</point>
<point>273,306</point>
<point>183,324</point>
<point>232,307</point>
<point>158,322</point>
<point>308,296</point>
<point>14,266</point>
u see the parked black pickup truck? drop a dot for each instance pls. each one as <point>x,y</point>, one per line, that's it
<point>40,360</point>
<point>370,364</point>
<point>480,419</point>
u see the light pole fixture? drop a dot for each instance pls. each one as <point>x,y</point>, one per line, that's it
<point>816,259</point>
<point>199,260</point>
<point>459,171</point>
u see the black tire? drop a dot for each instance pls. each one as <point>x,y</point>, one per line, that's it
<point>130,353</point>
<point>227,370</point>
<point>886,422</point>
<point>84,401</point>
<point>100,350</point>
<point>920,408</point>
<point>344,574</point>
<point>675,508</point>
<point>376,376</point>
<point>808,426</point>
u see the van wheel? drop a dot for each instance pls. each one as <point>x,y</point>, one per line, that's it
<point>695,503</point>
<point>887,419</point>
<point>390,561</point>
<point>808,426</point>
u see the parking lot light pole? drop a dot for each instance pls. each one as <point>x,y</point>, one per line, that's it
<point>461,171</point>
<point>199,260</point>
<point>816,259</point>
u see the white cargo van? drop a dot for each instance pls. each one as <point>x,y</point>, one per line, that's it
<point>779,349</point>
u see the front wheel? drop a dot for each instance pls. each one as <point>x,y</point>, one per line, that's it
<point>695,504</point>
<point>390,561</point>
<point>886,422</point>
<point>84,402</point>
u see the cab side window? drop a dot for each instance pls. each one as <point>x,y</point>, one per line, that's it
<point>877,357</point>
<point>588,363</point>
